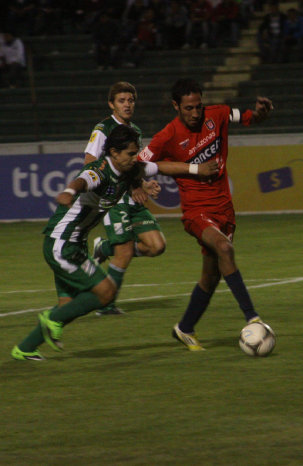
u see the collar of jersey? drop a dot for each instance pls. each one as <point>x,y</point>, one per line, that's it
<point>116,172</point>
<point>117,121</point>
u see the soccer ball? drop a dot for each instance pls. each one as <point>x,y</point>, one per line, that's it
<point>257,339</point>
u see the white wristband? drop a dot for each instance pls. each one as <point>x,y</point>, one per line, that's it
<point>193,169</point>
<point>70,191</point>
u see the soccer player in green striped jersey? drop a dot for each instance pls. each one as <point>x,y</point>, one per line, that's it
<point>130,227</point>
<point>82,285</point>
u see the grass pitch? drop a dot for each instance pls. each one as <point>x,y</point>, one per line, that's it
<point>124,392</point>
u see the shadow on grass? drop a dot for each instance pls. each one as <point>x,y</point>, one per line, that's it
<point>218,342</point>
<point>22,369</point>
<point>147,303</point>
<point>118,351</point>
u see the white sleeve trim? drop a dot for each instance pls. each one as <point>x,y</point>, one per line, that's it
<point>95,144</point>
<point>150,168</point>
<point>91,178</point>
<point>235,115</point>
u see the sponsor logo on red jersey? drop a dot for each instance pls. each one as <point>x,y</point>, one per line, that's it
<point>210,124</point>
<point>207,152</point>
<point>202,142</point>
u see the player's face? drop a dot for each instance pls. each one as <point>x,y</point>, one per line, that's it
<point>190,110</point>
<point>125,159</point>
<point>123,106</point>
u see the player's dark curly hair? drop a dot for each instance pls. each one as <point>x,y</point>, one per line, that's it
<point>185,87</point>
<point>120,138</point>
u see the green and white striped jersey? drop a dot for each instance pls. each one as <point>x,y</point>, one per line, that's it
<point>101,132</point>
<point>105,186</point>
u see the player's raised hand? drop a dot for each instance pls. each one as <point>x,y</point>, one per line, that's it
<point>263,107</point>
<point>208,168</point>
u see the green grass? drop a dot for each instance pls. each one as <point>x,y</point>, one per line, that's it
<point>124,392</point>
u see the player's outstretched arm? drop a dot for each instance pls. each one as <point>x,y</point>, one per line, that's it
<point>89,158</point>
<point>188,169</point>
<point>75,187</point>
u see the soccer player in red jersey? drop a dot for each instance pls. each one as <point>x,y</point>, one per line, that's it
<point>197,135</point>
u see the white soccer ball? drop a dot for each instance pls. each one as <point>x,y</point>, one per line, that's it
<point>257,339</point>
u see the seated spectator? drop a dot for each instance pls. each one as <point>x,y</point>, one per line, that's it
<point>145,39</point>
<point>131,17</point>
<point>293,35</point>
<point>12,60</point>
<point>198,32</point>
<point>247,9</point>
<point>48,18</point>
<point>87,12</point>
<point>159,9</point>
<point>226,23</point>
<point>176,25</point>
<point>21,17</point>
<point>106,37</point>
<point>270,34</point>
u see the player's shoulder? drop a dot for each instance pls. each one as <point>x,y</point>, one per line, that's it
<point>216,112</point>
<point>216,109</point>
<point>106,125</point>
<point>99,166</point>
<point>169,131</point>
<point>136,128</point>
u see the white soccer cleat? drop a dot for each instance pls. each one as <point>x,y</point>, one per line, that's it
<point>97,253</point>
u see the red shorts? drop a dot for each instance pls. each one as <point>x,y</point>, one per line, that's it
<point>196,221</point>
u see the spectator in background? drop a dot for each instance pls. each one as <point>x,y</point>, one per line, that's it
<point>226,23</point>
<point>176,25</point>
<point>12,60</point>
<point>270,34</point>
<point>198,32</point>
<point>21,16</point>
<point>293,35</point>
<point>145,38</point>
<point>87,13</point>
<point>247,9</point>
<point>159,8</point>
<point>48,18</point>
<point>106,37</point>
<point>131,17</point>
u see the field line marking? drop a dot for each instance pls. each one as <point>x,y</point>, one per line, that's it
<point>145,298</point>
<point>141,285</point>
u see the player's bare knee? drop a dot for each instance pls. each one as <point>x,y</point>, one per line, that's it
<point>105,291</point>
<point>157,248</point>
<point>225,249</point>
<point>107,296</point>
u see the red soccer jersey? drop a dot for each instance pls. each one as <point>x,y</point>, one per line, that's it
<point>177,143</point>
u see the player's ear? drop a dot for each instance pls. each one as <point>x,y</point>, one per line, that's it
<point>111,105</point>
<point>175,105</point>
<point>113,152</point>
